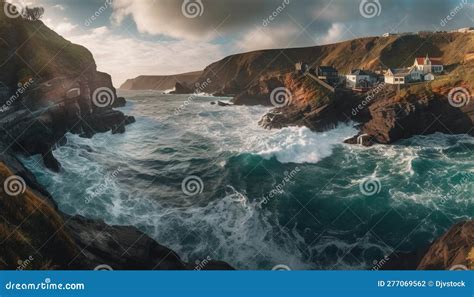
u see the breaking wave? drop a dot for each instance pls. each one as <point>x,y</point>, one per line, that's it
<point>269,197</point>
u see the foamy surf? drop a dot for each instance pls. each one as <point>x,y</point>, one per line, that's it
<point>420,180</point>
<point>301,145</point>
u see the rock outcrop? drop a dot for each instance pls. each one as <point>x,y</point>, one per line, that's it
<point>32,227</point>
<point>235,74</point>
<point>385,114</point>
<point>51,87</point>
<point>454,250</point>
<point>182,88</point>
<point>160,82</point>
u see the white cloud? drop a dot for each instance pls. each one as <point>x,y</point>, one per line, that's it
<point>59,7</point>
<point>126,57</point>
<point>166,17</point>
<point>335,34</point>
<point>61,28</point>
<point>268,38</point>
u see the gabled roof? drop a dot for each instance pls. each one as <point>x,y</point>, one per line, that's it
<point>434,61</point>
<point>400,71</point>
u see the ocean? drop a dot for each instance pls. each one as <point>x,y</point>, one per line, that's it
<point>209,183</point>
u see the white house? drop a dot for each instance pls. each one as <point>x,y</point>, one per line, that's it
<point>359,78</point>
<point>402,76</point>
<point>423,69</point>
<point>396,76</point>
<point>429,65</point>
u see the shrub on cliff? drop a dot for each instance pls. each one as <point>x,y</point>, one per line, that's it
<point>33,13</point>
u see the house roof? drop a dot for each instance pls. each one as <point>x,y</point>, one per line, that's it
<point>400,71</point>
<point>434,61</point>
<point>360,72</point>
<point>327,68</point>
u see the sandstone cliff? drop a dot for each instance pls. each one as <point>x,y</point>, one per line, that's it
<point>160,82</point>
<point>49,87</point>
<point>236,73</point>
<point>386,114</point>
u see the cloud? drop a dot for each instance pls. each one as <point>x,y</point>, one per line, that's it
<point>267,38</point>
<point>336,33</point>
<point>62,28</point>
<point>236,17</point>
<point>166,17</point>
<point>59,7</point>
<point>125,56</point>
<point>140,37</point>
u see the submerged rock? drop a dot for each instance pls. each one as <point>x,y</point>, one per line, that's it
<point>51,162</point>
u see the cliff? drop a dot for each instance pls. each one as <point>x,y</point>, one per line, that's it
<point>35,235</point>
<point>50,87</point>
<point>454,250</point>
<point>385,114</point>
<point>160,82</point>
<point>234,74</point>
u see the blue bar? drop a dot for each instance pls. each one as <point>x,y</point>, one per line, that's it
<point>241,283</point>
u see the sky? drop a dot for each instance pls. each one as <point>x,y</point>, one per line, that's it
<point>129,38</point>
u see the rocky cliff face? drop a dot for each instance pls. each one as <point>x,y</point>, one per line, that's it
<point>160,82</point>
<point>386,114</point>
<point>49,87</point>
<point>34,231</point>
<point>235,74</point>
<point>454,250</point>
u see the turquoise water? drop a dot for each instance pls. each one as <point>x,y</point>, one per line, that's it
<point>263,198</point>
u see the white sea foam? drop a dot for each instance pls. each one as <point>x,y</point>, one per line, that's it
<point>236,129</point>
<point>232,226</point>
<point>301,145</point>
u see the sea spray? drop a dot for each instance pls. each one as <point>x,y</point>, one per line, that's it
<point>308,226</point>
